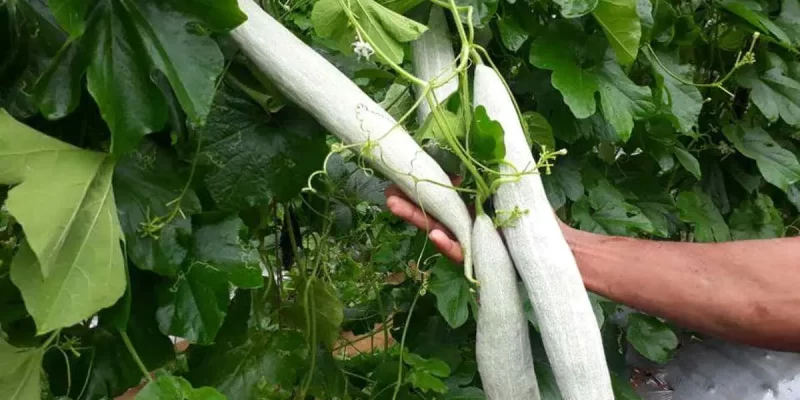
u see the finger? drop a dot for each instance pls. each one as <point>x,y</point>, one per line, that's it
<point>447,246</point>
<point>411,213</point>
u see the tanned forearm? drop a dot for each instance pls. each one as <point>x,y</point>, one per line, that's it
<point>744,291</point>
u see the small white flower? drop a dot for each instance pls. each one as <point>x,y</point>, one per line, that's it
<point>362,49</point>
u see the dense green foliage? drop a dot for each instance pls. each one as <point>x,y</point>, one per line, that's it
<point>153,186</point>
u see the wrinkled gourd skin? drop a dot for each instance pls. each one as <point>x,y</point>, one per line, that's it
<point>311,82</point>
<point>543,259</point>
<point>502,347</point>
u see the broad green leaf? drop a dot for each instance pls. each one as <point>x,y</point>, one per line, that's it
<point>486,137</point>
<point>565,182</point>
<point>756,219</point>
<point>576,8</point>
<point>644,9</point>
<point>621,100</point>
<point>512,34</point>
<point>223,246</point>
<point>752,12</point>
<point>58,90</point>
<point>216,15</point>
<point>697,208</point>
<point>387,29</point>
<point>555,51</point>
<point>398,100</point>
<point>433,366</point>
<point>612,213</point>
<point>778,165</point>
<point>425,381</point>
<point>548,387</point>
<point>146,183</point>
<point>794,195</point>
<point>71,264</point>
<point>451,289</point>
<point>320,300</point>
<point>663,21</point>
<point>193,306</point>
<point>19,372</point>
<point>438,128</point>
<point>168,387</point>
<point>539,129</point>
<point>682,101</point>
<point>688,161</point>
<point>623,389</point>
<point>773,92</point>
<point>70,14</point>
<point>464,393</point>
<point>355,184</point>
<point>127,40</point>
<point>482,11</point>
<point>244,365</point>
<point>250,161</point>
<point>651,337</point>
<point>620,22</point>
<point>789,20</point>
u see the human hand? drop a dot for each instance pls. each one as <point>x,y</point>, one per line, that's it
<point>401,206</point>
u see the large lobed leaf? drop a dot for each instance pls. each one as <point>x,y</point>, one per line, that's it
<point>71,263</point>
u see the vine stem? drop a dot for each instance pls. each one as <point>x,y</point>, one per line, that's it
<point>399,381</point>
<point>135,355</point>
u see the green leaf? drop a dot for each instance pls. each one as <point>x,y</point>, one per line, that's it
<point>682,102</point>
<point>482,11</point>
<point>621,100</point>
<point>58,90</point>
<point>194,305</point>
<point>433,366</point>
<point>398,100</point>
<point>697,208</point>
<point>555,51</point>
<point>223,246</point>
<point>243,365</point>
<point>250,161</point>
<point>127,40</point>
<point>651,337</point>
<point>576,8</point>
<point>789,20</point>
<point>19,372</point>
<point>168,387</point>
<point>756,219</point>
<point>620,22</point>
<point>435,128</point>
<point>564,182</point>
<point>644,9</point>
<point>387,29</point>
<point>753,13</point>
<point>320,299</point>
<point>146,182</point>
<point>512,34</point>
<point>688,161</point>
<point>539,129</point>
<point>486,137</point>
<point>548,387</point>
<point>663,21</point>
<point>426,382</point>
<point>452,292</point>
<point>623,389</point>
<point>354,183</point>
<point>216,15</point>
<point>778,165</point>
<point>773,92</point>
<point>464,393</point>
<point>612,213</point>
<point>70,14</point>
<point>71,264</point>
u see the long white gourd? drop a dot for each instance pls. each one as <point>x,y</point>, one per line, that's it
<point>311,82</point>
<point>502,347</point>
<point>544,260</point>
<point>434,59</point>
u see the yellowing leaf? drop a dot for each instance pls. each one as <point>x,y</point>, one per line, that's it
<point>71,264</point>
<point>19,372</point>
